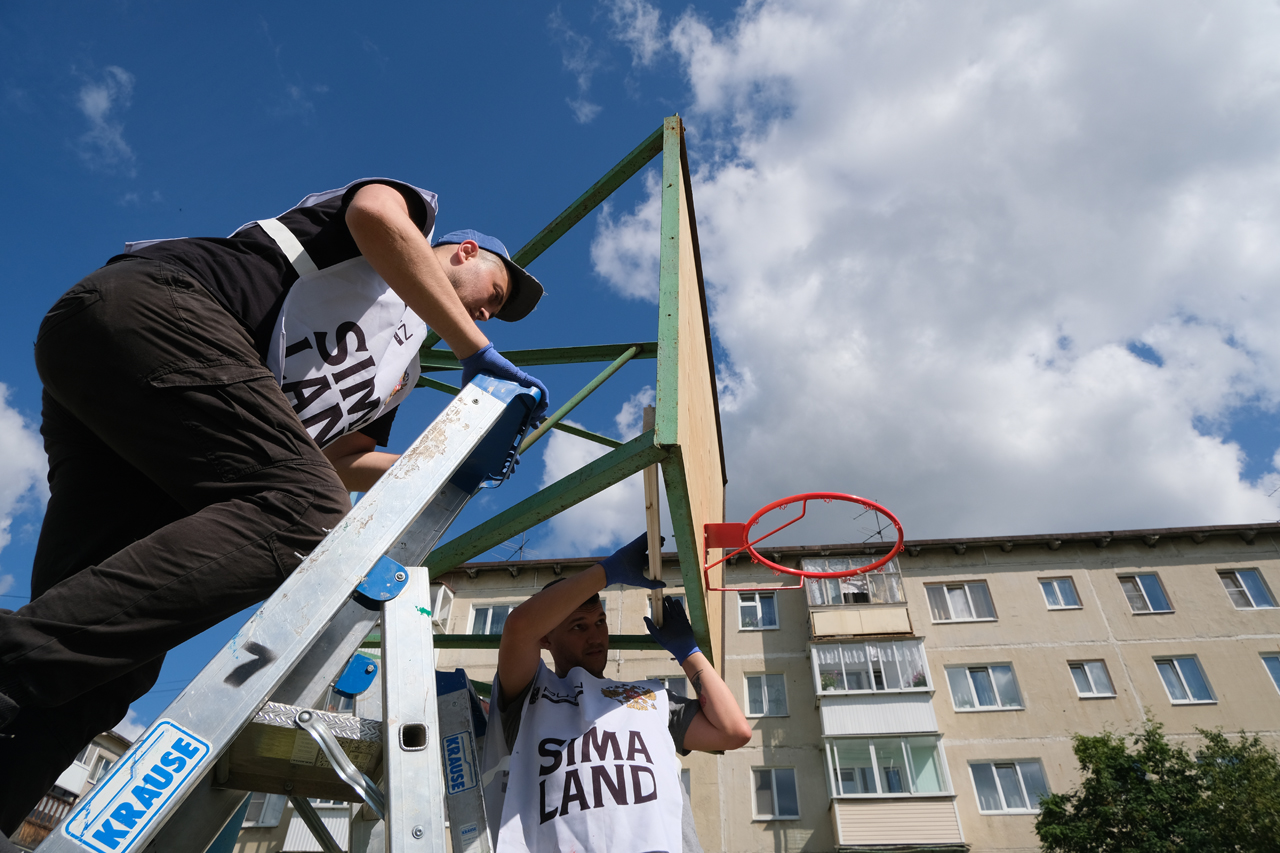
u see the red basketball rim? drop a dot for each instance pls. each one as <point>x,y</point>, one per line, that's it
<point>804,499</point>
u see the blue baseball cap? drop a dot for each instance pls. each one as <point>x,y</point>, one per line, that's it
<point>525,289</point>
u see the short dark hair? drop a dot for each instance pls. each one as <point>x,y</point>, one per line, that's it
<point>593,600</point>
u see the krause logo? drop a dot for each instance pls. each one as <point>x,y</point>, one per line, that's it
<point>459,767</point>
<point>137,789</point>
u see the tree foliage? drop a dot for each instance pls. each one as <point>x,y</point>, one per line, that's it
<point>1158,798</point>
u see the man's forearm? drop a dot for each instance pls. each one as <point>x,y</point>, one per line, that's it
<point>390,241</point>
<point>715,697</point>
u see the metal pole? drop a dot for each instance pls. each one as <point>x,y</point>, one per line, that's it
<point>568,407</point>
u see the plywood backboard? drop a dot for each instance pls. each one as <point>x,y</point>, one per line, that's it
<point>688,414</point>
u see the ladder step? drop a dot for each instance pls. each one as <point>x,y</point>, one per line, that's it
<point>275,756</point>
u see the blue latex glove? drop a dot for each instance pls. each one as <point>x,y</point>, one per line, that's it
<point>490,362</point>
<point>676,634</point>
<point>627,564</point>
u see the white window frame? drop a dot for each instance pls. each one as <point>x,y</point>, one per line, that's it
<point>773,783</point>
<point>947,588</point>
<point>666,683</point>
<point>476,607</point>
<point>969,671</point>
<point>678,596</point>
<point>881,587</point>
<point>755,597</point>
<point>270,810</point>
<point>870,672</point>
<point>1083,667</point>
<point>1273,670</point>
<point>1242,590</point>
<point>1177,662</point>
<point>1143,590</point>
<point>1017,765</point>
<point>102,765</point>
<point>764,693</point>
<point>1055,582</point>
<point>83,758</point>
<point>837,785</point>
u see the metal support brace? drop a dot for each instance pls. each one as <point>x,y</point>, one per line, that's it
<point>308,814</point>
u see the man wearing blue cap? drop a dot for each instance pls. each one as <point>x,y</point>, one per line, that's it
<point>208,405</point>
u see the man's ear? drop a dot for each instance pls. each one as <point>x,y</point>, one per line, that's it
<point>545,642</point>
<point>468,250</point>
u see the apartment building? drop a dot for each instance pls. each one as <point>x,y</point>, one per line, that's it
<point>927,706</point>
<point>79,779</point>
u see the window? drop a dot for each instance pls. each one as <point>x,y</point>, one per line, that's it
<point>1091,679</point>
<point>877,767</point>
<point>489,620</point>
<point>1059,593</point>
<point>960,602</point>
<point>1247,589</point>
<point>1145,594</point>
<point>883,586</point>
<point>264,810</point>
<point>767,695</point>
<point>100,767</point>
<point>756,611</point>
<point>776,796</point>
<point>1015,786</point>
<point>983,688</point>
<point>678,685</point>
<point>83,757</point>
<point>678,598</point>
<point>1184,681</point>
<point>1272,663</point>
<point>886,665</point>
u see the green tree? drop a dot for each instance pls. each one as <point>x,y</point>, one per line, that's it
<point>1157,798</point>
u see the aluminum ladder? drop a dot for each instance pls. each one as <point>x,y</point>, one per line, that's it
<point>164,794</point>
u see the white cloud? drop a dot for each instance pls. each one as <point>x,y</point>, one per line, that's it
<point>930,232</point>
<point>583,110</point>
<point>625,250</point>
<point>103,146</point>
<point>581,59</point>
<point>131,726</point>
<point>22,468</point>
<point>636,24</point>
<point>608,520</point>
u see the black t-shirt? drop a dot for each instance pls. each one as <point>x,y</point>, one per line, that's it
<point>249,275</point>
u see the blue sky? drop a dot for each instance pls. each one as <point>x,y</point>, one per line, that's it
<point>1005,269</point>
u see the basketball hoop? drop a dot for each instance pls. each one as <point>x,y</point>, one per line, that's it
<point>737,536</point>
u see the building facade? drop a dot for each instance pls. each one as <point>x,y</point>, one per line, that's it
<point>89,766</point>
<point>928,706</point>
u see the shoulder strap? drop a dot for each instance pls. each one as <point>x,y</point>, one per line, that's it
<point>289,244</point>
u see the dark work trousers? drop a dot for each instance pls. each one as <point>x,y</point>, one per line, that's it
<point>182,489</point>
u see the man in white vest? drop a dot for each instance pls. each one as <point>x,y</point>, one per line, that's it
<point>582,762</point>
<point>208,405</point>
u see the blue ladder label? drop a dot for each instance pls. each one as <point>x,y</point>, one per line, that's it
<point>124,803</point>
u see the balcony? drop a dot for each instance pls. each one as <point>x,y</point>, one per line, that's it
<point>871,603</point>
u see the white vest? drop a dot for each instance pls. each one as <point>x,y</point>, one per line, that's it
<point>593,769</point>
<point>345,346</point>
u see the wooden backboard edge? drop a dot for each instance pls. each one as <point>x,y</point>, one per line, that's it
<point>702,297</point>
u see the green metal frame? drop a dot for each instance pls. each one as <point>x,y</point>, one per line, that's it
<point>658,445</point>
